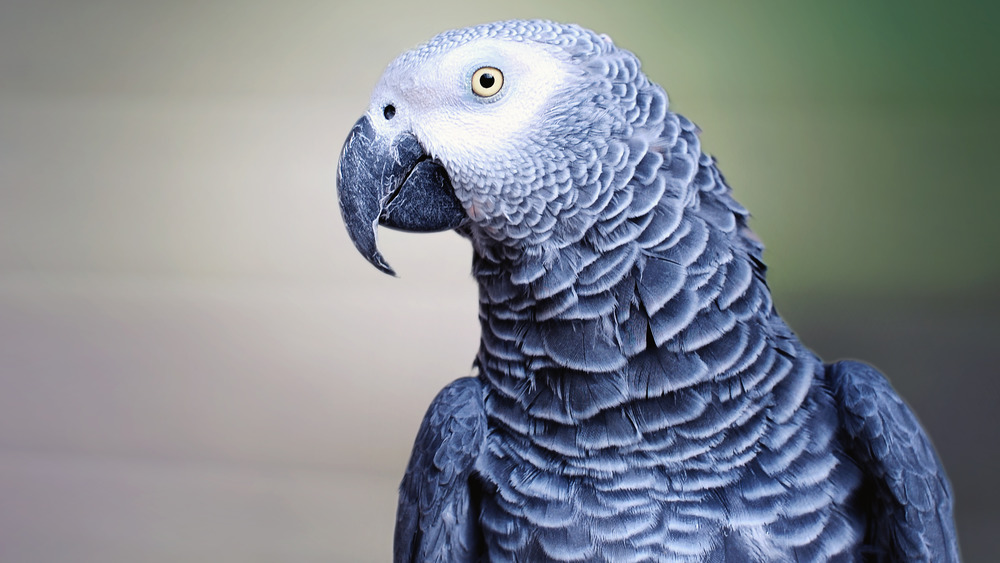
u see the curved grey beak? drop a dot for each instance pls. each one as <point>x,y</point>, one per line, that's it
<point>393,183</point>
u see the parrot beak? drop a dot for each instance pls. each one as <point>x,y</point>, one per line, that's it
<point>391,182</point>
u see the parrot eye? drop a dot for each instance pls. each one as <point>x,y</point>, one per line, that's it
<point>487,81</point>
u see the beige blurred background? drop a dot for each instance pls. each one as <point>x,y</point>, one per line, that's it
<point>195,365</point>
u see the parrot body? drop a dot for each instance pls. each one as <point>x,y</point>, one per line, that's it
<point>638,398</point>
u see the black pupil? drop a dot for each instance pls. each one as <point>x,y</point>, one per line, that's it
<point>486,80</point>
<point>389,111</point>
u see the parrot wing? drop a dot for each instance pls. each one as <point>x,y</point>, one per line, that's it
<point>910,500</point>
<point>437,518</point>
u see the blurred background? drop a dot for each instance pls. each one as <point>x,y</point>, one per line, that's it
<point>195,364</point>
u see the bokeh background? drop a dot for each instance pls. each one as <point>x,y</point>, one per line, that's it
<point>195,365</point>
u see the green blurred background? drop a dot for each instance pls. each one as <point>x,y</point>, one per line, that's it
<point>195,365</point>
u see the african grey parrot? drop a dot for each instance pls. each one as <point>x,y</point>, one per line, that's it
<point>638,398</point>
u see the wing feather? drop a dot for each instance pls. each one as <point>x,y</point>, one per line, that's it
<point>910,499</point>
<point>437,519</point>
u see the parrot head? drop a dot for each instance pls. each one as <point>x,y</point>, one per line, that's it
<point>516,134</point>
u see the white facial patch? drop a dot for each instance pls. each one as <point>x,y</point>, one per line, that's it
<point>457,125</point>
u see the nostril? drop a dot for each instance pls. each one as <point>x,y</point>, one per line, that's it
<point>389,112</point>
